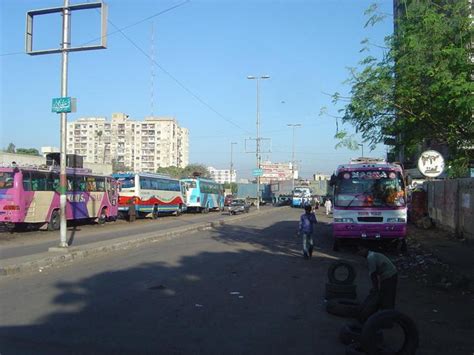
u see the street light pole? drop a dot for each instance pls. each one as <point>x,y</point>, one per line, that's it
<point>293,126</point>
<point>257,78</point>
<point>231,161</point>
<point>362,146</point>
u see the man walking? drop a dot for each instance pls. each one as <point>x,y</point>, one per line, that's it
<point>384,277</point>
<point>305,230</point>
<point>328,205</point>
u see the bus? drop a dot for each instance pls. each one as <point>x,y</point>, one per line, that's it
<point>150,194</point>
<point>203,195</point>
<point>301,195</point>
<point>369,202</point>
<point>30,196</point>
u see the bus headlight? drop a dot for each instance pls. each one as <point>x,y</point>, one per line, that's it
<point>396,220</point>
<point>343,220</point>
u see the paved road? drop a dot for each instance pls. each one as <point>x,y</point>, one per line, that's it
<point>239,289</point>
<point>31,242</point>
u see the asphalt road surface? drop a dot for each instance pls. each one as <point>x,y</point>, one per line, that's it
<point>239,289</point>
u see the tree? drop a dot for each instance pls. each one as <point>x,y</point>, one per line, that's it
<point>10,148</point>
<point>421,88</point>
<point>118,166</point>
<point>28,151</point>
<point>172,171</point>
<point>192,169</point>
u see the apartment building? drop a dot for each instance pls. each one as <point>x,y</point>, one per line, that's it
<point>222,175</point>
<point>137,145</point>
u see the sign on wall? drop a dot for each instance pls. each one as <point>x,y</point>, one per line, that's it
<point>431,163</point>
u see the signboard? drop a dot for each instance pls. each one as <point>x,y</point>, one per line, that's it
<point>431,163</point>
<point>63,105</point>
<point>257,172</point>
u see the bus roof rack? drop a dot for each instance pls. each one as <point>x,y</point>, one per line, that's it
<point>366,160</point>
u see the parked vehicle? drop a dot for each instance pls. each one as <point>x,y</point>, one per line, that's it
<point>203,195</point>
<point>238,205</point>
<point>301,196</point>
<point>249,193</point>
<point>30,196</point>
<point>369,202</point>
<point>149,194</point>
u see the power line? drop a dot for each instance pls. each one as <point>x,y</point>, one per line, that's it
<point>178,82</point>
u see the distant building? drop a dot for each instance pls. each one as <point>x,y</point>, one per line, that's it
<point>222,175</point>
<point>277,172</point>
<point>141,146</point>
<point>321,177</point>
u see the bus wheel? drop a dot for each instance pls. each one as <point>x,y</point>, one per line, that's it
<point>154,214</point>
<point>54,221</point>
<point>103,216</point>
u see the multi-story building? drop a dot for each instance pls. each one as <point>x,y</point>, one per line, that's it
<point>222,175</point>
<point>137,145</point>
<point>277,172</point>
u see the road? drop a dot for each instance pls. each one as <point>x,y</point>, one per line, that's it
<point>238,289</point>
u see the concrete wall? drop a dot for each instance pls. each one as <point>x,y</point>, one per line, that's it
<point>451,205</point>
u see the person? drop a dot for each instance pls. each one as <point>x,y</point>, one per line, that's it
<point>383,274</point>
<point>305,230</point>
<point>328,205</point>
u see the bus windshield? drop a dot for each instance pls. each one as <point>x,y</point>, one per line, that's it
<point>6,180</point>
<point>376,188</point>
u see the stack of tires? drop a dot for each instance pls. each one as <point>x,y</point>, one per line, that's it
<point>341,286</point>
<point>369,337</point>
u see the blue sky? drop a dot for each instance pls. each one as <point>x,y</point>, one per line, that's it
<point>209,48</point>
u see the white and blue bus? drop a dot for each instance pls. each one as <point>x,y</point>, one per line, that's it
<point>151,194</point>
<point>202,195</point>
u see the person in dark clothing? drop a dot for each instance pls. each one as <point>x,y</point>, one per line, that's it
<point>305,230</point>
<point>383,274</point>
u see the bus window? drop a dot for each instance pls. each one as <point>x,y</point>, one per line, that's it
<point>91,183</point>
<point>6,180</point>
<point>80,183</point>
<point>145,183</point>
<point>26,181</point>
<point>38,181</point>
<point>100,184</point>
<point>53,182</point>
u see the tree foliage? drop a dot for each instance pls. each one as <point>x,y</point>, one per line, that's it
<point>11,148</point>
<point>421,88</point>
<point>188,171</point>
<point>27,151</point>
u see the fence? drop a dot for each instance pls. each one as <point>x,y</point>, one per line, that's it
<point>451,205</point>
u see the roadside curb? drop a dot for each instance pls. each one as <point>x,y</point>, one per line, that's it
<point>41,261</point>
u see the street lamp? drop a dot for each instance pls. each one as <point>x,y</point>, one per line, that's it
<point>231,161</point>
<point>257,79</point>
<point>362,146</point>
<point>293,126</point>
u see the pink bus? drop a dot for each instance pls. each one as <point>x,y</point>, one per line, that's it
<point>30,196</point>
<point>369,202</point>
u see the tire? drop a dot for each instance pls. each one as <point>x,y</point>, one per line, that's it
<point>348,295</point>
<point>386,319</point>
<point>54,221</point>
<point>351,274</point>
<point>369,306</point>
<point>343,307</point>
<point>350,333</point>
<point>335,288</point>
<point>155,213</point>
<point>102,217</point>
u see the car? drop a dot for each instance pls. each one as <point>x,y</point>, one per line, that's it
<point>238,205</point>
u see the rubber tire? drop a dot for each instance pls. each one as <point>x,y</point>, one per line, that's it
<point>335,288</point>
<point>384,319</point>
<point>350,333</point>
<point>343,307</point>
<point>351,273</point>
<point>102,217</point>
<point>333,295</point>
<point>369,306</point>
<point>54,221</point>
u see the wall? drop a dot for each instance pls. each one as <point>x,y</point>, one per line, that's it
<point>451,205</point>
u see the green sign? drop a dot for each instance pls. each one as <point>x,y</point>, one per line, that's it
<point>257,172</point>
<point>63,104</point>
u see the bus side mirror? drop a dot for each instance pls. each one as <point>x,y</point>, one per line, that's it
<point>332,181</point>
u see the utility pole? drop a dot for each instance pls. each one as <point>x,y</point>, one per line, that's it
<point>362,146</point>
<point>293,126</point>
<point>257,78</point>
<point>231,161</point>
<point>64,104</point>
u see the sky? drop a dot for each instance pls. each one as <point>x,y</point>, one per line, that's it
<point>203,52</point>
